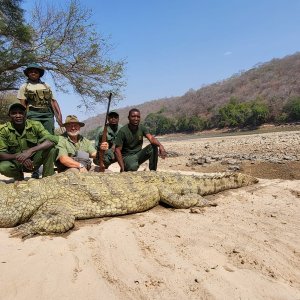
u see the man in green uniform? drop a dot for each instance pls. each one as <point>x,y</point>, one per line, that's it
<point>112,130</point>
<point>74,150</point>
<point>129,141</point>
<point>39,99</point>
<point>25,145</point>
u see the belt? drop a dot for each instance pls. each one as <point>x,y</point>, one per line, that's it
<point>39,109</point>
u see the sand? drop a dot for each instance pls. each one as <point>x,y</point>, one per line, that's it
<point>248,247</point>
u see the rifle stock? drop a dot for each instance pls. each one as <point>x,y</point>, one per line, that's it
<point>104,138</point>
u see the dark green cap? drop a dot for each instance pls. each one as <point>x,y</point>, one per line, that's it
<point>113,112</point>
<point>16,105</point>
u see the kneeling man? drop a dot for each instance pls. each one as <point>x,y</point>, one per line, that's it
<point>129,145</point>
<point>25,145</point>
<point>74,150</point>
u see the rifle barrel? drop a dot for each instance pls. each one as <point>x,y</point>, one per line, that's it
<point>104,137</point>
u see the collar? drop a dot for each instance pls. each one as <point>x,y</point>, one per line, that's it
<point>35,82</point>
<point>11,128</point>
<point>80,137</point>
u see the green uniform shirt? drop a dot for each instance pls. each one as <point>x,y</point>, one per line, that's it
<point>34,133</point>
<point>131,142</point>
<point>66,147</point>
<point>111,135</point>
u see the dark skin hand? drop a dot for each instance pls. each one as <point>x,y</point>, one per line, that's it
<point>24,157</point>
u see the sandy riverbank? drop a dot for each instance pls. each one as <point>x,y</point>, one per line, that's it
<point>245,248</point>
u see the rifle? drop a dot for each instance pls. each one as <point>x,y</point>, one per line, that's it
<point>104,138</point>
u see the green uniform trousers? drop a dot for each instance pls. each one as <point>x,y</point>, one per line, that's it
<point>108,159</point>
<point>13,169</point>
<point>46,118</point>
<point>132,162</point>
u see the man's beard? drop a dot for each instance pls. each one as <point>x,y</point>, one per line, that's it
<point>73,133</point>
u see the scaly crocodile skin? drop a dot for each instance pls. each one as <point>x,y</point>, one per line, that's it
<point>51,205</point>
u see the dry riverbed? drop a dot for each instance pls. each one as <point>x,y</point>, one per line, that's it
<point>248,247</point>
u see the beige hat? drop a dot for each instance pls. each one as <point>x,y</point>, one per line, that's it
<point>73,119</point>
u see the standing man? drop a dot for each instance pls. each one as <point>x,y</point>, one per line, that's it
<point>38,98</point>
<point>74,150</point>
<point>25,145</point>
<point>129,142</point>
<point>112,130</point>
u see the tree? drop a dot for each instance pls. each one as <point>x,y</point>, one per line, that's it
<point>190,124</point>
<point>91,134</point>
<point>292,109</point>
<point>259,113</point>
<point>242,114</point>
<point>64,42</point>
<point>158,123</point>
<point>232,114</point>
<point>5,100</point>
<point>15,44</point>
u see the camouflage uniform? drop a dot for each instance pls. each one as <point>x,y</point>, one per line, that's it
<point>11,141</point>
<point>39,97</point>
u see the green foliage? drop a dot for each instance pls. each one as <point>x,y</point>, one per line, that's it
<point>292,109</point>
<point>65,43</point>
<point>190,124</point>
<point>259,113</point>
<point>91,135</point>
<point>5,100</point>
<point>12,21</point>
<point>282,118</point>
<point>241,114</point>
<point>15,44</point>
<point>159,124</point>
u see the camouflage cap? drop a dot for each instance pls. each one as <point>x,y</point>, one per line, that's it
<point>34,66</point>
<point>72,119</point>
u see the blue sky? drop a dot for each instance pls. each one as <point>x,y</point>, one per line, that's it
<point>172,46</point>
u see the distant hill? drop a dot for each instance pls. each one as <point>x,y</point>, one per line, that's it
<point>273,82</point>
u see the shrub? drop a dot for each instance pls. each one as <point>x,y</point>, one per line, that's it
<point>236,114</point>
<point>292,109</point>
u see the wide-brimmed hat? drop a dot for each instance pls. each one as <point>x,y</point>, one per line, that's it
<point>72,119</point>
<point>16,105</point>
<point>34,66</point>
<point>113,112</point>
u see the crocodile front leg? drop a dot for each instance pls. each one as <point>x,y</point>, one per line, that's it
<point>55,219</point>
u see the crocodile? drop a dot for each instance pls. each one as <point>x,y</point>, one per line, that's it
<point>52,204</point>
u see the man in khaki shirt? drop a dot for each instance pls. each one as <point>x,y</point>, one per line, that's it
<point>74,150</point>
